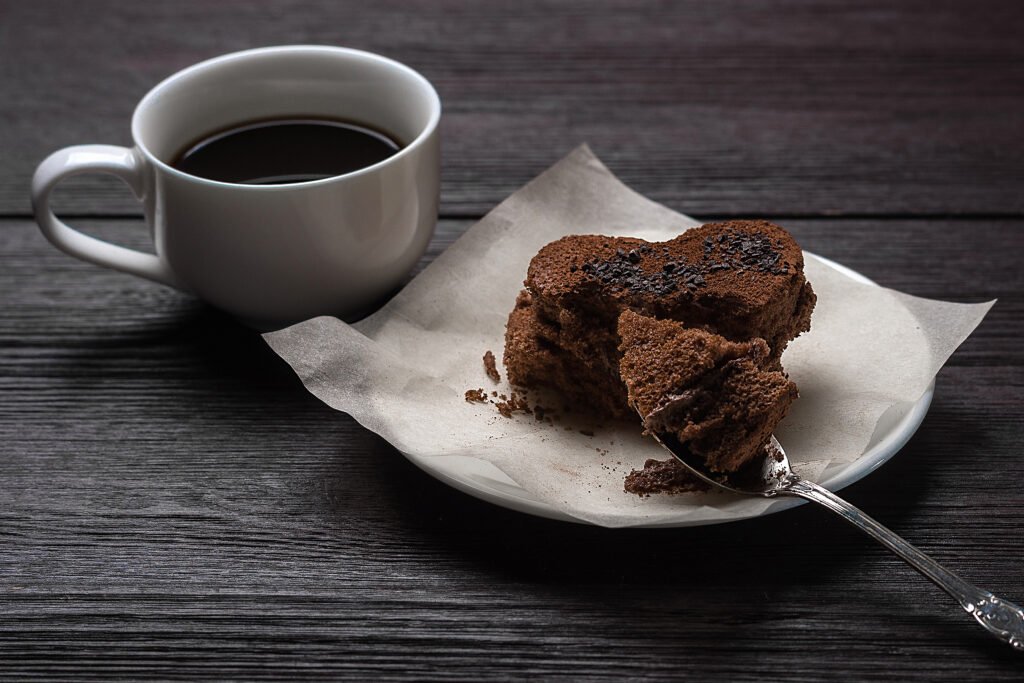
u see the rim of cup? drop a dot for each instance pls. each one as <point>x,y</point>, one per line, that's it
<point>155,92</point>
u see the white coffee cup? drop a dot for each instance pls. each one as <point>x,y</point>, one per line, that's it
<point>270,254</point>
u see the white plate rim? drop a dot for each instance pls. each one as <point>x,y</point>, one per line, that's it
<point>452,470</point>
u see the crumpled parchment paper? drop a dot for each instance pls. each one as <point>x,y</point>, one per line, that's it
<point>403,372</point>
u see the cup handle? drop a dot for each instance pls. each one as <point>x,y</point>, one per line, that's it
<point>128,165</point>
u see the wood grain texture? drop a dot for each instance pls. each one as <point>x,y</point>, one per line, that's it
<point>174,504</point>
<point>967,261</point>
<point>788,107</point>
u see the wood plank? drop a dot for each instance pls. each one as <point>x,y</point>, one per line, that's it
<point>54,302</point>
<point>173,504</point>
<point>247,531</point>
<point>800,108</point>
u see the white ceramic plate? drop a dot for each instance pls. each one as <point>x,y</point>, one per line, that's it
<point>485,481</point>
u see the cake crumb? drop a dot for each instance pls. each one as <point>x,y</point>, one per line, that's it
<point>513,404</point>
<point>662,476</point>
<point>490,367</point>
<point>586,432</point>
<point>476,396</point>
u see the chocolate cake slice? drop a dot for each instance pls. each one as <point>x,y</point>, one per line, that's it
<point>535,357</point>
<point>740,280</point>
<point>721,399</point>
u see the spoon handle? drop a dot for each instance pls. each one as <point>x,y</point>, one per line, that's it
<point>1001,618</point>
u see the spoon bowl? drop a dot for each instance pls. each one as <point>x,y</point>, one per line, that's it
<point>765,476</point>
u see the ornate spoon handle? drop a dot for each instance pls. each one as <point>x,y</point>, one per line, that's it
<point>1001,618</point>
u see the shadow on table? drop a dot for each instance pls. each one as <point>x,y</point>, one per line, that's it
<point>185,339</point>
<point>803,567</point>
<point>810,543</point>
<point>218,356</point>
<point>799,547</point>
<point>735,577</point>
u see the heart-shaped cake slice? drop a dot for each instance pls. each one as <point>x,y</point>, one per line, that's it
<point>740,280</point>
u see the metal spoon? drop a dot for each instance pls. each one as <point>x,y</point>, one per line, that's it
<point>774,477</point>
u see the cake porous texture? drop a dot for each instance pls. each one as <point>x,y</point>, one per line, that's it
<point>720,399</point>
<point>741,280</point>
<point>688,333</point>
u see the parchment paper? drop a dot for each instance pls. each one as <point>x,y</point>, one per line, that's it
<point>403,372</point>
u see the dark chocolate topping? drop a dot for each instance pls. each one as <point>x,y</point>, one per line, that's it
<point>743,250</point>
<point>624,271</point>
<point>734,249</point>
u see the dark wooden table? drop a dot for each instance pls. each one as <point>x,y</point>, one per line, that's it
<point>174,504</point>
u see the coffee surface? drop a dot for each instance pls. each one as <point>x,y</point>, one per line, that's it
<point>283,151</point>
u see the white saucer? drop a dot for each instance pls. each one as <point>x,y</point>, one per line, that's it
<point>483,480</point>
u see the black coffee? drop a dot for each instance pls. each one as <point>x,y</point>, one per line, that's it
<point>285,151</point>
